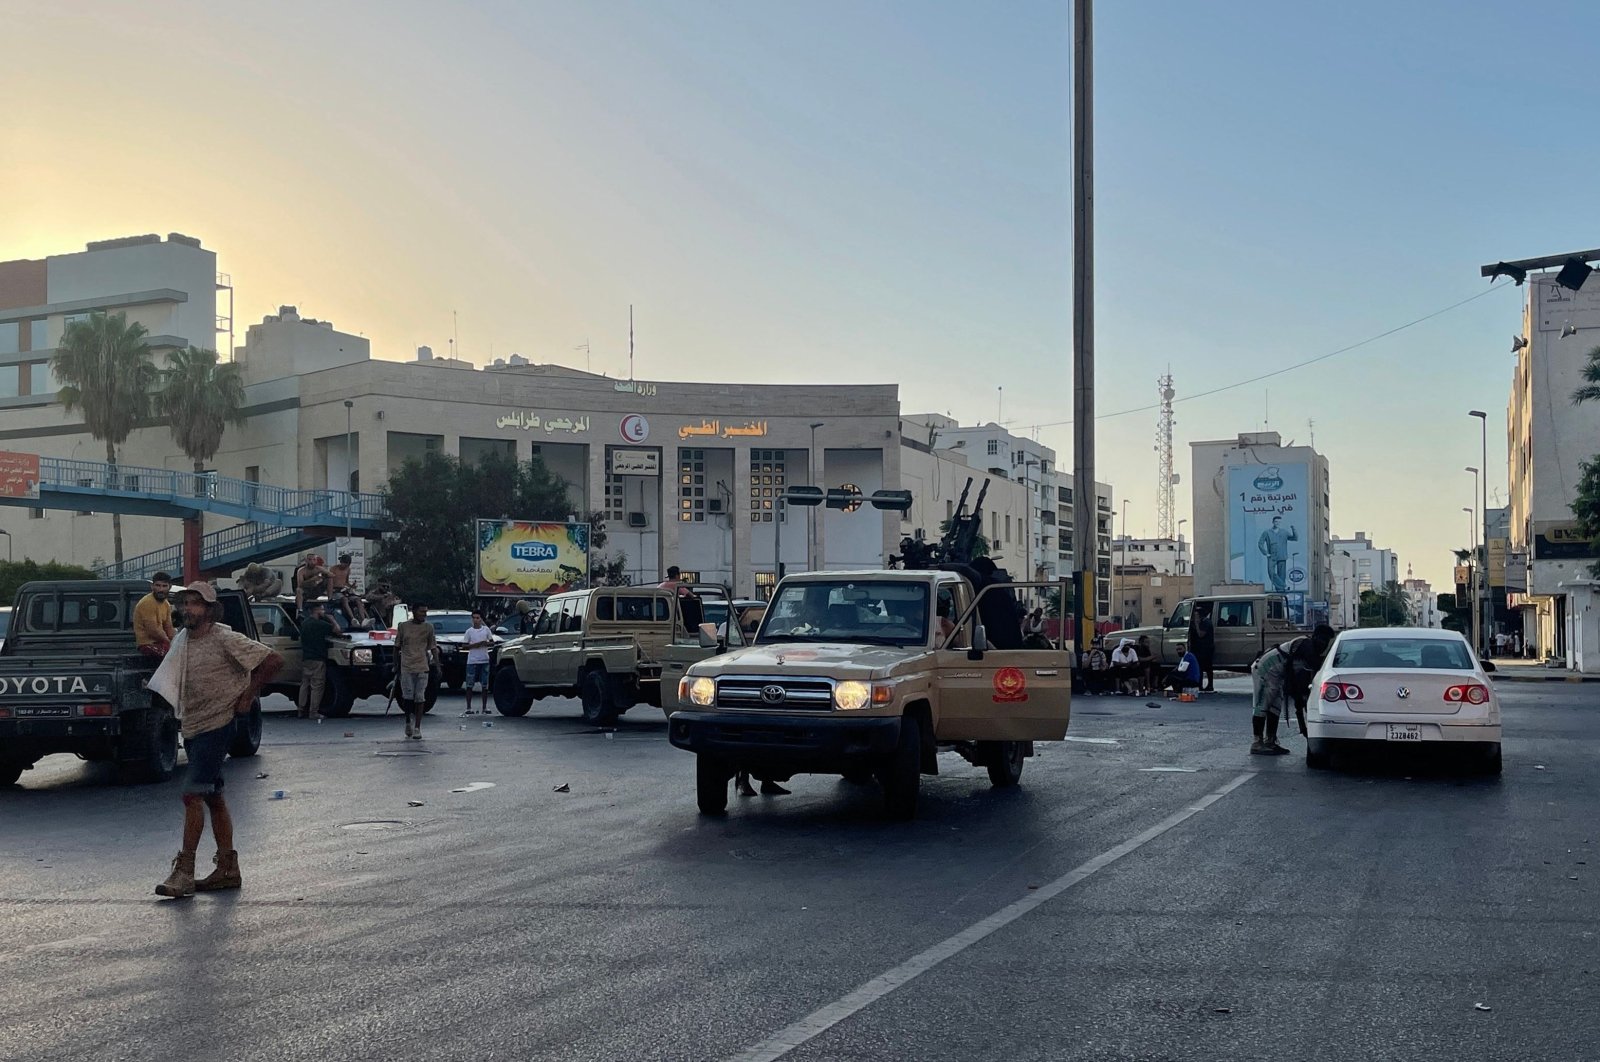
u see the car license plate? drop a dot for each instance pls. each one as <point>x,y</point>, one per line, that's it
<point>51,711</point>
<point>1405,732</point>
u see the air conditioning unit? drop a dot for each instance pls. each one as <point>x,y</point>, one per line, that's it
<point>638,520</point>
<point>713,505</point>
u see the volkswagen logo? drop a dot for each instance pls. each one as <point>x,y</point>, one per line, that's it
<point>772,694</point>
<point>1402,693</point>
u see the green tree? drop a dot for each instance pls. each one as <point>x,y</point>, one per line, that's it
<point>1591,380</point>
<point>1389,606</point>
<point>1586,502</point>
<point>14,574</point>
<point>432,554</point>
<point>1455,617</point>
<point>200,396</point>
<point>107,373</point>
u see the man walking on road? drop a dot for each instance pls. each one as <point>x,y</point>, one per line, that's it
<point>315,630</point>
<point>220,671</point>
<point>418,650</point>
<point>477,638</point>
<point>1203,643</point>
<point>152,618</point>
<point>1281,673</point>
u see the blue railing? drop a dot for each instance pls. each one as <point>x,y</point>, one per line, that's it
<point>241,540</point>
<point>247,499</point>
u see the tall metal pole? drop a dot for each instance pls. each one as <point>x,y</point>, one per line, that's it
<point>1483,607</point>
<point>350,468</point>
<point>1472,572</point>
<point>811,513</point>
<point>1085,512</point>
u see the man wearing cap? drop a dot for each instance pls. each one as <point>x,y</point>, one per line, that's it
<point>221,671</point>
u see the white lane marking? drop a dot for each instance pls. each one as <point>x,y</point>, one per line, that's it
<point>473,787</point>
<point>820,1021</point>
<point>1091,741</point>
<point>1168,770</point>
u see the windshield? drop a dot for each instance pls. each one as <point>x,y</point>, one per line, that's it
<point>450,624</point>
<point>1432,653</point>
<point>872,613</point>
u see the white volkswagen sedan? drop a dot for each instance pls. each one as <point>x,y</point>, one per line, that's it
<point>1402,686</point>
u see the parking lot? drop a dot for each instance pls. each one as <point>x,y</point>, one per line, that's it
<point>537,889</point>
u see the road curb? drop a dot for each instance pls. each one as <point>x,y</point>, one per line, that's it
<point>1559,676</point>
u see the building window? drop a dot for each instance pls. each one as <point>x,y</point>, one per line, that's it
<point>949,509</point>
<point>39,333</point>
<point>10,337</point>
<point>1008,527</point>
<point>35,514</point>
<point>692,486</point>
<point>994,447</point>
<point>42,379</point>
<point>10,381</point>
<point>768,480</point>
<point>616,505</point>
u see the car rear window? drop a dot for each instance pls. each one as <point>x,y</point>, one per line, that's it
<point>80,610</point>
<point>1404,653</point>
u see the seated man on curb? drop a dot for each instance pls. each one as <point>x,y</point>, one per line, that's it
<point>1186,676</point>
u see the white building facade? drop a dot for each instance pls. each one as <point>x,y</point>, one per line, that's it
<point>1547,574</point>
<point>936,479</point>
<point>1169,556</point>
<point>1375,568</point>
<point>1423,603</point>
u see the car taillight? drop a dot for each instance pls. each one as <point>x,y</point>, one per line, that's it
<point>1341,691</point>
<point>96,709</point>
<point>1469,693</point>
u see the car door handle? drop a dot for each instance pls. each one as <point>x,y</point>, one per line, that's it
<point>674,667</point>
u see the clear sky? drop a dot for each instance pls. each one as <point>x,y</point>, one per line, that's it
<point>864,191</point>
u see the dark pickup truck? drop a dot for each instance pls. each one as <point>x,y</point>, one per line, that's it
<point>72,680</point>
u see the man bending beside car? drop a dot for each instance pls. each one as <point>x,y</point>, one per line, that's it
<point>1282,673</point>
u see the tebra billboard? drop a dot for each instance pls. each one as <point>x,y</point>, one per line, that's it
<point>518,557</point>
<point>1269,527</point>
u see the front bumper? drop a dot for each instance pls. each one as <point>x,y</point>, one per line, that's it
<point>788,741</point>
<point>1433,731</point>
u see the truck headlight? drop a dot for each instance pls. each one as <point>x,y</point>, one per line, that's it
<point>850,696</point>
<point>361,656</point>
<point>702,691</point>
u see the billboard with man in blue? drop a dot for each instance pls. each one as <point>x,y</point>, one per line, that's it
<point>1268,536</point>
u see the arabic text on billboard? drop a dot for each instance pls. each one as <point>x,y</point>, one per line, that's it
<point>19,475</point>
<point>1269,534</point>
<point>517,557</point>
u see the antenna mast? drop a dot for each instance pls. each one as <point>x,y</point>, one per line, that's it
<point>1164,518</point>
<point>630,341</point>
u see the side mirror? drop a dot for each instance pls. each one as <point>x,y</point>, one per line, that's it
<point>980,643</point>
<point>1488,667</point>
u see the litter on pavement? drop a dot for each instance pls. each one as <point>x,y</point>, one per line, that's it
<point>563,788</point>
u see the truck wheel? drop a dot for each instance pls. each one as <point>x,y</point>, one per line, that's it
<point>1318,758</point>
<point>901,777</point>
<point>711,777</point>
<point>154,749</point>
<point>338,696</point>
<point>432,695</point>
<point>595,690</point>
<point>11,770</point>
<point>509,695</point>
<point>247,733</point>
<point>1004,760</point>
<point>1489,763</point>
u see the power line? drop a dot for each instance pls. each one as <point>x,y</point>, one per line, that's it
<point>1287,368</point>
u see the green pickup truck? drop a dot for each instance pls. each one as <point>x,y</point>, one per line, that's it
<point>1246,625</point>
<point>73,680</point>
<point>610,647</point>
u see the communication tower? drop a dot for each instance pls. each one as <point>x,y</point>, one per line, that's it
<point>1164,517</point>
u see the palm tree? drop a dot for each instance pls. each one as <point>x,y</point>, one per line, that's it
<point>200,396</point>
<point>107,372</point>
<point>1591,378</point>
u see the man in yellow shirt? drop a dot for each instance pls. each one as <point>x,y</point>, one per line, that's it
<point>152,618</point>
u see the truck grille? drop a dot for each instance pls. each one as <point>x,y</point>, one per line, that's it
<point>779,694</point>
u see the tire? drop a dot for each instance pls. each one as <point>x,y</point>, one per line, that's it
<point>154,749</point>
<point>1490,762</point>
<point>595,690</point>
<point>1318,758</point>
<point>247,734</point>
<point>338,696</point>
<point>711,778</point>
<point>1004,760</point>
<point>432,696</point>
<point>901,777</point>
<point>11,770</point>
<point>510,697</point>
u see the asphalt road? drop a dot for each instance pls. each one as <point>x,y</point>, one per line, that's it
<point>1151,891</point>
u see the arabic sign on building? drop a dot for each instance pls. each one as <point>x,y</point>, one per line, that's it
<point>635,463</point>
<point>518,557</point>
<point>635,428</point>
<point>1561,540</point>
<point>19,475</point>
<point>528,420</point>
<point>715,429</point>
<point>1498,548</point>
<point>1269,534</point>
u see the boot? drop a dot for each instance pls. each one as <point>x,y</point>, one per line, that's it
<point>1258,725</point>
<point>416,728</point>
<point>405,706</point>
<point>226,876</point>
<point>741,785</point>
<point>1271,743</point>
<point>180,883</point>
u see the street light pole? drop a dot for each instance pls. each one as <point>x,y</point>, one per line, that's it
<point>350,468</point>
<point>1482,632</point>
<point>811,513</point>
<point>1473,586</point>
<point>1085,514</point>
<point>1121,580</point>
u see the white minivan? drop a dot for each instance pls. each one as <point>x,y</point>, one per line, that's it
<point>1402,686</point>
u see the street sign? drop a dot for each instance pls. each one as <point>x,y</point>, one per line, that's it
<point>19,475</point>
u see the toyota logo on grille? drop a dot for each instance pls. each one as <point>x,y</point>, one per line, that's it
<point>772,694</point>
<point>1402,693</point>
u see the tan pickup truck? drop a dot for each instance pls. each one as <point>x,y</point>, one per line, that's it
<point>868,675</point>
<point>1245,625</point>
<point>607,646</point>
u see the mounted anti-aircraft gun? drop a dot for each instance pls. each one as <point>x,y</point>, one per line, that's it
<point>955,547</point>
